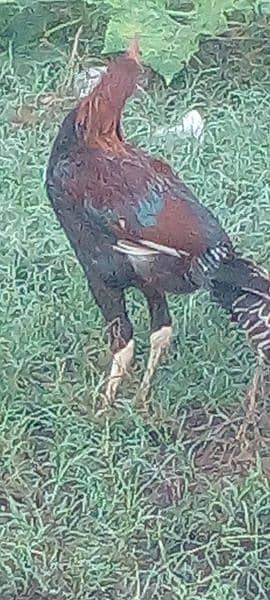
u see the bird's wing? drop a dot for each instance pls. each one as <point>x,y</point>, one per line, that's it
<point>141,205</point>
<point>165,220</point>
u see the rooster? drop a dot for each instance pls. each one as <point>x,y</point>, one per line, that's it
<point>133,223</point>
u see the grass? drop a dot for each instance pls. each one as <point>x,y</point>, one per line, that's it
<point>170,506</point>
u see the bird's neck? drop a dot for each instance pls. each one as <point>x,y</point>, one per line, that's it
<point>99,125</point>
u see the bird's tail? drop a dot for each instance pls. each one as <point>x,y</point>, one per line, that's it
<point>243,288</point>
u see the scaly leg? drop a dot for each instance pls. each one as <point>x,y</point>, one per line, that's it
<point>119,368</point>
<point>112,305</point>
<point>160,338</point>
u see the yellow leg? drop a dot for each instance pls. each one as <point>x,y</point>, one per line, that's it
<point>120,364</point>
<point>159,340</point>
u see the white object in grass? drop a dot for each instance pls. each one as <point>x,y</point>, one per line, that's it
<point>192,124</point>
<point>87,80</point>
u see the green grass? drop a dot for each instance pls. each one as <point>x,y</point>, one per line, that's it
<point>168,507</point>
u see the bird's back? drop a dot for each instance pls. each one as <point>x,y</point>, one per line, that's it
<point>132,221</point>
<point>132,197</point>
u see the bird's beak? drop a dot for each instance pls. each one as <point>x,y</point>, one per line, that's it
<point>133,50</point>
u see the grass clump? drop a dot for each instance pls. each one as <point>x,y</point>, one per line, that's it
<point>171,506</point>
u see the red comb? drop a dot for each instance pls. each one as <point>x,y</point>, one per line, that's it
<point>133,49</point>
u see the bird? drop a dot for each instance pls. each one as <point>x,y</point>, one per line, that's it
<point>133,223</point>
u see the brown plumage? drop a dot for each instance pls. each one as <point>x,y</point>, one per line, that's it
<point>132,222</point>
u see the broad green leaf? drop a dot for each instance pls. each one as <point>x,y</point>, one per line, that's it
<point>155,4</point>
<point>166,44</point>
<point>264,6</point>
<point>210,16</point>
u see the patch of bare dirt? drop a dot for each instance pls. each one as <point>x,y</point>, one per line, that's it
<point>228,443</point>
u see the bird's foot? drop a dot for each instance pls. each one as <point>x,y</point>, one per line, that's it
<point>107,405</point>
<point>142,399</point>
<point>120,364</point>
<point>103,406</point>
<point>160,342</point>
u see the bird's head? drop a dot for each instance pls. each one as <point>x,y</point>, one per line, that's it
<point>98,114</point>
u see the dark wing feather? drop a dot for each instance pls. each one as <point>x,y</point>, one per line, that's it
<point>134,198</point>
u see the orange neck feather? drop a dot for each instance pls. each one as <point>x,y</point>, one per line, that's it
<point>99,114</point>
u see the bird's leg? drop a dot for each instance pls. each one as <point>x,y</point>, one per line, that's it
<point>122,347</point>
<point>255,389</point>
<point>160,338</point>
<point>112,305</point>
<point>159,341</point>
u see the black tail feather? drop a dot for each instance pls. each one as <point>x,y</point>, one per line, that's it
<point>243,288</point>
